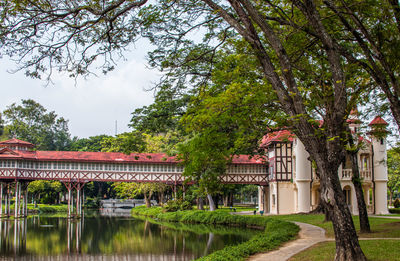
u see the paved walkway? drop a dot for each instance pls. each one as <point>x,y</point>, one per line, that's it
<point>309,236</point>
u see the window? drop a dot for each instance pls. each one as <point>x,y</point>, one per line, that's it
<point>347,194</point>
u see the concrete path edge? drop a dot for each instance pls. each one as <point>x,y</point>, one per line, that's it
<point>309,235</point>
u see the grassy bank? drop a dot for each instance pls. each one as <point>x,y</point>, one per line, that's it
<point>379,249</point>
<point>43,208</point>
<point>381,227</point>
<point>385,250</point>
<point>276,231</point>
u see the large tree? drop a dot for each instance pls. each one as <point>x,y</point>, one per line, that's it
<point>309,51</point>
<point>393,172</point>
<point>92,143</point>
<point>31,122</point>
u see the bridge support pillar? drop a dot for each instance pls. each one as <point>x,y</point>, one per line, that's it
<point>71,186</point>
<point>17,198</point>
<point>21,199</point>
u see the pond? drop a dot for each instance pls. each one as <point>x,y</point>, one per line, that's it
<point>98,237</point>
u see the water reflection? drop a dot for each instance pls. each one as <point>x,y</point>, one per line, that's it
<point>110,238</point>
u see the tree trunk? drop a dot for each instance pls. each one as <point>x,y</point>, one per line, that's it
<point>211,202</point>
<point>216,199</point>
<point>225,200</point>
<point>230,203</point>
<point>162,197</point>
<point>147,200</point>
<point>362,207</point>
<point>200,203</point>
<point>347,245</point>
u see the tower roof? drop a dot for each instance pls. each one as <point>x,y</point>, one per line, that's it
<point>378,121</point>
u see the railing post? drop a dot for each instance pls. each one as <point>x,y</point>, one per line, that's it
<point>19,199</point>
<point>16,200</point>
<point>78,192</point>
<point>9,200</point>
<point>1,199</point>
<point>69,200</point>
<point>5,204</point>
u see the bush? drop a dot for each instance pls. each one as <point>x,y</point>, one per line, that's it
<point>396,203</point>
<point>176,205</point>
<point>92,203</point>
<point>394,210</point>
<point>276,231</point>
<point>53,208</point>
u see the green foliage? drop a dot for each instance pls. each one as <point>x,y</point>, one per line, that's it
<point>33,123</point>
<point>88,144</point>
<point>393,164</point>
<point>130,190</point>
<point>53,208</point>
<point>48,191</point>
<point>177,204</point>
<point>92,203</point>
<point>126,142</point>
<point>276,231</point>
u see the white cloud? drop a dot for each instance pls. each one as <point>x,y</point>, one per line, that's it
<point>92,106</point>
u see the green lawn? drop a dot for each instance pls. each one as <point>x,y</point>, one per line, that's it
<point>381,227</point>
<point>385,250</point>
<point>373,249</point>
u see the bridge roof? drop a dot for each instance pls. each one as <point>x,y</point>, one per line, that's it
<point>108,157</point>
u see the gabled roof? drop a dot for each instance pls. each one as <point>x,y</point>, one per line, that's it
<point>282,135</point>
<point>378,121</point>
<point>16,142</point>
<point>7,151</point>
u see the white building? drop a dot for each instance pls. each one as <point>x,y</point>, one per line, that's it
<point>294,187</point>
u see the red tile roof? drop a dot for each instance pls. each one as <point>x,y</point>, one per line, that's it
<point>246,159</point>
<point>110,157</point>
<point>282,135</point>
<point>378,121</point>
<point>16,142</point>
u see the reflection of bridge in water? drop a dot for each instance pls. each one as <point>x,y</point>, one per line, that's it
<point>19,165</point>
<point>47,238</point>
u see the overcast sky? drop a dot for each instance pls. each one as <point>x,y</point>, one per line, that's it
<point>92,106</point>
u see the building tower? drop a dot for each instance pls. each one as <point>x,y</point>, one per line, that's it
<point>303,177</point>
<point>378,136</point>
